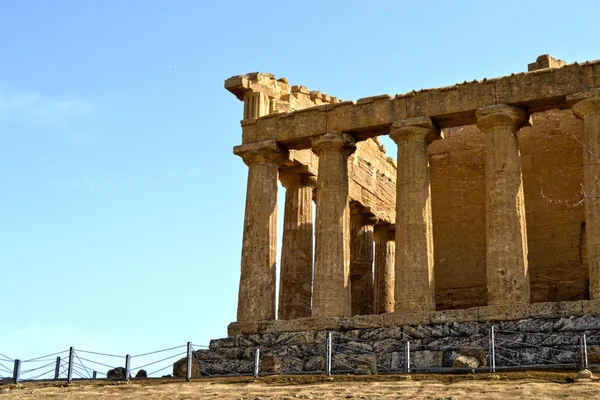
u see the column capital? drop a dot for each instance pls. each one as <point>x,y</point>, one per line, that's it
<point>501,116</point>
<point>585,103</point>
<point>265,152</point>
<point>334,141</point>
<point>415,129</point>
<point>363,214</point>
<point>296,180</point>
<point>385,231</point>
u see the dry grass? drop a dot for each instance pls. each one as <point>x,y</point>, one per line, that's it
<point>505,386</point>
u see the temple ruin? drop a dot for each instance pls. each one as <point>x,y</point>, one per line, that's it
<point>491,210</point>
<point>487,222</point>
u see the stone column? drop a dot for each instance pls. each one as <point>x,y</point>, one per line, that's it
<point>331,284</point>
<point>506,232</point>
<point>256,298</point>
<point>361,261</point>
<point>586,106</point>
<point>414,239</point>
<point>295,282</point>
<point>385,254</point>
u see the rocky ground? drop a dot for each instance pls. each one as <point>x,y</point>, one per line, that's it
<point>531,385</point>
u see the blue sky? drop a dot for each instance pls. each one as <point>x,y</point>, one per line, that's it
<point>122,204</point>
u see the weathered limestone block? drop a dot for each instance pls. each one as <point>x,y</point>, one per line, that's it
<point>506,234</point>
<point>586,106</point>
<point>503,312</point>
<point>367,364</point>
<point>406,318</point>
<point>116,373</point>
<point>591,307</point>
<point>414,279</point>
<point>555,309</point>
<point>367,321</point>
<point>426,359</point>
<point>545,61</point>
<point>465,362</point>
<point>450,316</point>
<point>180,368</point>
<point>385,254</point>
<point>477,353</point>
<point>271,364</point>
<point>295,286</point>
<point>141,374</point>
<point>331,284</point>
<point>361,260</point>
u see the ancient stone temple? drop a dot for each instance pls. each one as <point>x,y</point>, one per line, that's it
<point>490,212</point>
<point>491,206</point>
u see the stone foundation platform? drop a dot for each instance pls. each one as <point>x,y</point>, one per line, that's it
<point>543,334</point>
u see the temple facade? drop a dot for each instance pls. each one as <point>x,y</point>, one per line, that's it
<point>490,210</point>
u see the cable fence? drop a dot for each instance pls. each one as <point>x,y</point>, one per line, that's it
<point>327,353</point>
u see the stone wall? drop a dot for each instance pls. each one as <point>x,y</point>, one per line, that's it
<point>552,176</point>
<point>525,342</point>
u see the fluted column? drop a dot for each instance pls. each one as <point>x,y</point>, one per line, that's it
<point>361,261</point>
<point>414,238</point>
<point>256,297</point>
<point>506,232</point>
<point>331,285</point>
<point>385,254</point>
<point>586,106</point>
<point>295,284</point>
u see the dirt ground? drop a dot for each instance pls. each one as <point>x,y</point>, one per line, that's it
<point>435,387</point>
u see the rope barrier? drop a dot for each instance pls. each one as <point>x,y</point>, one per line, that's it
<point>358,359</point>
<point>81,368</point>
<point>509,360</point>
<point>40,360</point>
<point>539,358</point>
<point>537,345</point>
<point>47,355</point>
<point>78,373</point>
<point>532,333</point>
<point>99,363</point>
<point>6,368</point>
<point>45,373</point>
<point>346,365</point>
<point>74,352</point>
<point>352,348</point>
<point>164,359</point>
<point>35,369</point>
<point>162,369</point>
<point>100,354</point>
<point>158,351</point>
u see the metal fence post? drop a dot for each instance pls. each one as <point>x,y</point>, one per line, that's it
<point>492,350</point>
<point>256,363</point>
<point>585,353</point>
<point>188,372</point>
<point>57,368</point>
<point>328,353</point>
<point>127,366</point>
<point>16,371</point>
<point>70,367</point>
<point>93,374</point>
<point>407,357</point>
